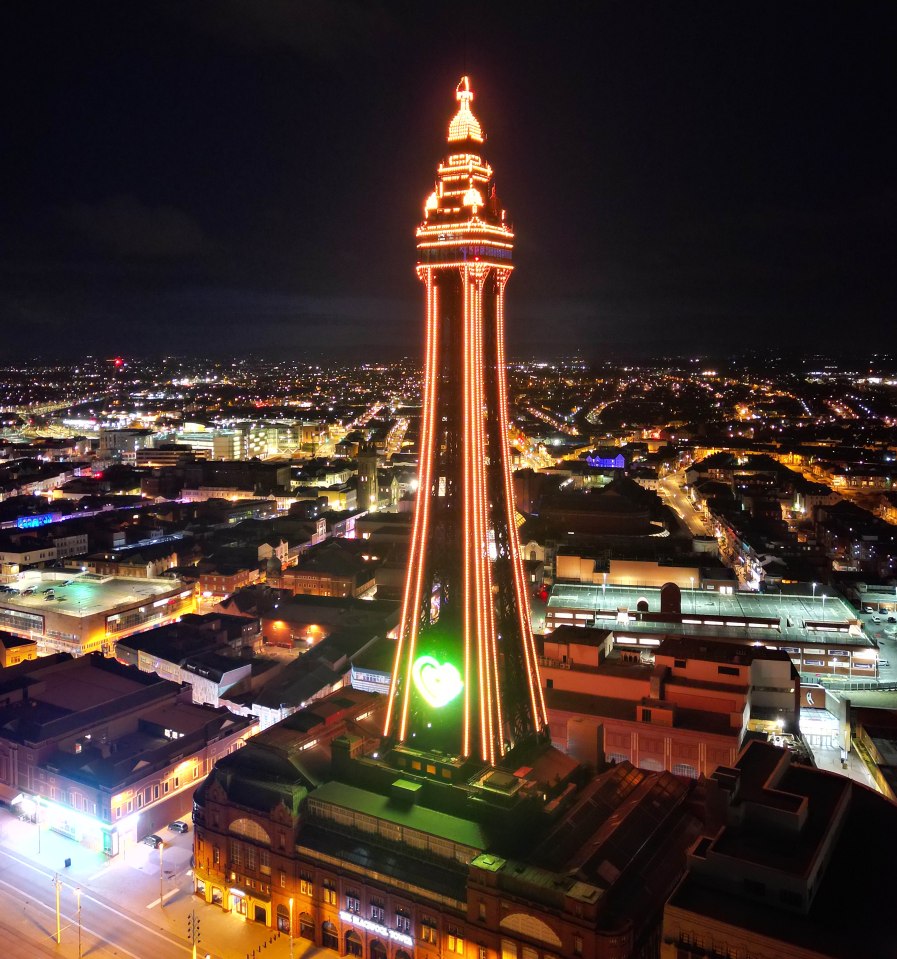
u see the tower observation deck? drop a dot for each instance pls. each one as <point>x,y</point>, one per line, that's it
<point>465,680</point>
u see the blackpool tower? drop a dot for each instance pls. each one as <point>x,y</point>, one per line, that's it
<point>465,680</point>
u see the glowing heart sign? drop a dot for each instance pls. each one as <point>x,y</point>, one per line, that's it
<point>439,683</point>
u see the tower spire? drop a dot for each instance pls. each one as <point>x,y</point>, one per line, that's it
<point>465,125</point>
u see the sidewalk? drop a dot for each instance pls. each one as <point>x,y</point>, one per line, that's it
<point>829,758</point>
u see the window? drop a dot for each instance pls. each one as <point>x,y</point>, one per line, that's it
<point>330,892</point>
<point>353,902</point>
<point>216,855</point>
<point>428,931</point>
<point>306,884</point>
<point>378,909</point>
<point>283,879</point>
<point>482,911</point>
<point>403,921</point>
<point>482,952</point>
<point>236,851</point>
<point>577,945</point>
<point>728,670</point>
<point>264,862</point>
<point>455,940</point>
<point>549,683</point>
<point>679,663</point>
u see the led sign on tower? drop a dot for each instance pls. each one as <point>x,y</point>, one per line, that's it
<point>439,683</point>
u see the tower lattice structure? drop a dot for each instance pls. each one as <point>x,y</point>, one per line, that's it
<point>466,678</point>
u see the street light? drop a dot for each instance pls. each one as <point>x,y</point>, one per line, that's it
<point>57,882</point>
<point>823,605</point>
<point>291,927</point>
<point>694,607</point>
<point>78,897</point>
<point>814,590</point>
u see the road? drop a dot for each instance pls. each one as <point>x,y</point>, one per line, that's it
<point>670,489</point>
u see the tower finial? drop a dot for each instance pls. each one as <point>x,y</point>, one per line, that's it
<point>465,125</point>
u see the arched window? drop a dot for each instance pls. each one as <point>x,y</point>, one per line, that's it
<point>353,944</point>
<point>329,936</point>
<point>306,926</point>
<point>531,927</point>
<point>283,918</point>
<point>401,954</point>
<point>652,765</point>
<point>251,830</point>
<point>377,950</point>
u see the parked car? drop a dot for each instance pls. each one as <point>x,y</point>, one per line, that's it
<point>883,662</point>
<point>178,826</point>
<point>876,618</point>
<point>153,840</point>
<point>892,619</point>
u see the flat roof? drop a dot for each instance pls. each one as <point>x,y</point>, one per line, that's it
<point>701,601</point>
<point>715,610</point>
<point>466,832</point>
<point>87,594</point>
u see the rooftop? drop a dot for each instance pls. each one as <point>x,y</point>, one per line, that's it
<point>86,595</point>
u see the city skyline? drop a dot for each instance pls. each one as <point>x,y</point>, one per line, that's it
<point>680,181</point>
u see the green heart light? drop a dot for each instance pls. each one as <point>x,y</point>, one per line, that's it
<point>439,683</point>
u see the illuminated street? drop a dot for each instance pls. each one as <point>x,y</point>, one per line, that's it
<point>670,487</point>
<point>120,914</point>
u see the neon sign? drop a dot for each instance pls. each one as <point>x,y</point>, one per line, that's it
<point>369,926</point>
<point>439,683</point>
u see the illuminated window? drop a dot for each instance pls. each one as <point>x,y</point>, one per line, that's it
<point>455,941</point>
<point>329,894</point>
<point>428,931</point>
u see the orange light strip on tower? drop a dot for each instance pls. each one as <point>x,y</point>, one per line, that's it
<point>492,704</point>
<point>532,667</point>
<point>468,454</point>
<point>483,612</point>
<point>410,621</point>
<point>422,492</point>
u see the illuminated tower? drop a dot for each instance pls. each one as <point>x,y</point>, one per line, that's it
<point>465,679</point>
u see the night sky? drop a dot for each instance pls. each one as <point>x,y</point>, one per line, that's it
<point>246,175</point>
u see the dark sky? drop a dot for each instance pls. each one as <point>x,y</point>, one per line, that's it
<point>246,175</point>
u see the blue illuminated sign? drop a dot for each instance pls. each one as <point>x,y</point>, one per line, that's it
<point>40,519</point>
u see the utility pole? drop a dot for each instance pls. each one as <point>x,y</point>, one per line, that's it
<point>161,900</point>
<point>57,882</point>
